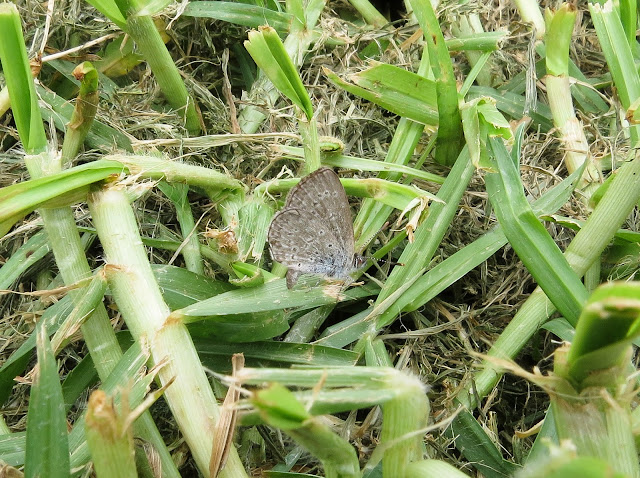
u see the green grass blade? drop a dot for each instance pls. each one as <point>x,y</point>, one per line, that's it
<point>558,38</point>
<point>416,256</point>
<point>607,327</point>
<point>241,14</point>
<point>530,239</point>
<point>370,14</point>
<point>130,365</point>
<point>513,105</point>
<point>450,138</point>
<point>67,187</point>
<point>84,112</point>
<point>401,417</point>
<point>279,408</point>
<point>267,50</point>
<point>348,331</point>
<point>430,468</point>
<point>271,296</point>
<point>100,136</point>
<point>275,353</point>
<point>456,266</point>
<point>251,233</point>
<point>21,260</point>
<point>88,299</point>
<point>17,75</point>
<point>145,33</point>
<point>478,448</point>
<point>12,448</point>
<point>210,180</point>
<point>399,91</point>
<point>15,365</point>
<point>617,51</point>
<point>360,164</point>
<point>111,10</point>
<point>190,250</point>
<point>47,445</point>
<point>79,379</point>
<point>109,438</point>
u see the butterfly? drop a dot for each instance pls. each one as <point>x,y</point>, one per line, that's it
<point>313,233</point>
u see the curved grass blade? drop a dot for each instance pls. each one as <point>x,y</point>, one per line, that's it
<point>241,14</point>
<point>529,238</point>
<point>18,200</point>
<point>17,75</point>
<point>273,295</point>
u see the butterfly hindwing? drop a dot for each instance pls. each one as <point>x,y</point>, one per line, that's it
<point>304,244</point>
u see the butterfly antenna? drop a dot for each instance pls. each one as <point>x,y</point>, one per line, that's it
<point>391,263</point>
<point>377,261</point>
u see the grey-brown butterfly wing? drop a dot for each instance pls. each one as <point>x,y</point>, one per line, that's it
<point>321,196</point>
<point>306,246</point>
<point>313,233</point>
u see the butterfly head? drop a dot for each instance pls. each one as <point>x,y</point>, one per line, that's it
<point>358,261</point>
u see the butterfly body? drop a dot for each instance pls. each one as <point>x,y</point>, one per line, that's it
<point>313,233</point>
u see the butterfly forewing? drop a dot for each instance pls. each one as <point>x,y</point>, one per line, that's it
<point>324,198</point>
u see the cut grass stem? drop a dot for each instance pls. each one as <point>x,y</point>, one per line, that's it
<point>139,299</point>
<point>145,33</point>
<point>60,224</point>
